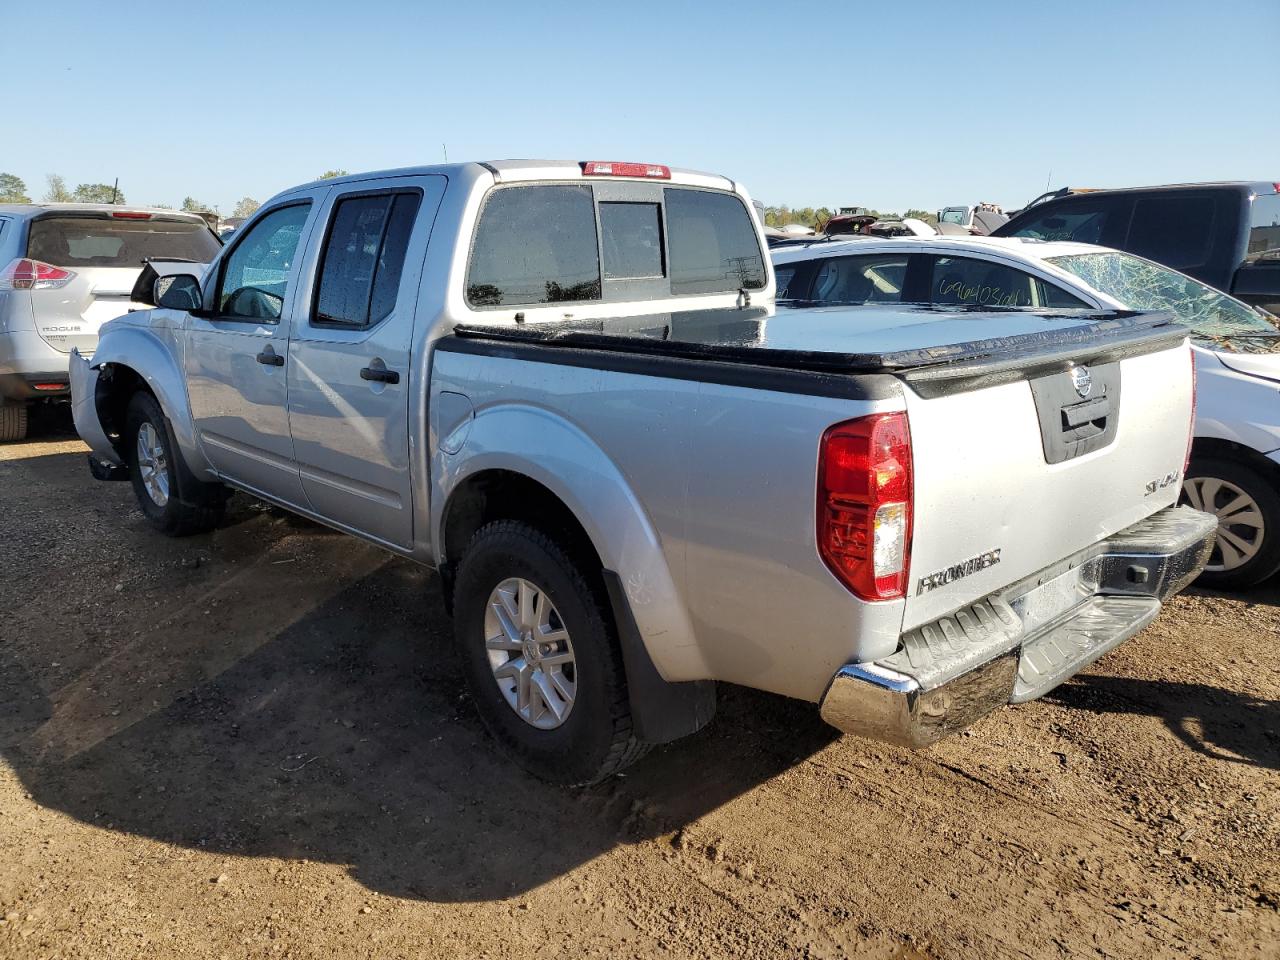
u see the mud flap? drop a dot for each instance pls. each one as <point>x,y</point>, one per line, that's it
<point>101,470</point>
<point>660,711</point>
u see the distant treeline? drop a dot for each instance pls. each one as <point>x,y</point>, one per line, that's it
<point>816,217</point>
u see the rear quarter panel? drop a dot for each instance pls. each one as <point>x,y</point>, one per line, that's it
<point>700,496</point>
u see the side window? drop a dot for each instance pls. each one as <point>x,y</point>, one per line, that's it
<point>970,282</point>
<point>1083,223</point>
<point>363,258</point>
<point>255,275</point>
<point>1264,228</point>
<point>1056,297</point>
<point>1175,230</point>
<point>871,279</point>
<point>713,243</point>
<point>535,245</point>
<point>782,276</point>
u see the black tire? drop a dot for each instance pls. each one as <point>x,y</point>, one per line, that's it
<point>192,506</point>
<point>13,421</point>
<point>596,739</point>
<point>1262,490</point>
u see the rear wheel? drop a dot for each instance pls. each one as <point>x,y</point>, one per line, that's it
<point>541,656</point>
<point>1248,510</point>
<point>173,500</point>
<point>13,420</point>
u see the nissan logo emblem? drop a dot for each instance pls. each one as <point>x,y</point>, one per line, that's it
<point>1082,380</point>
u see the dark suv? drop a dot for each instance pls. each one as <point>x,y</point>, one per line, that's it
<point>1224,234</point>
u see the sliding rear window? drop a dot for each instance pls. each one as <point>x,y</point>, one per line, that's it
<point>551,243</point>
<point>79,242</point>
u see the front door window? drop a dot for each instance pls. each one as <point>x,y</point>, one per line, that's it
<point>255,277</point>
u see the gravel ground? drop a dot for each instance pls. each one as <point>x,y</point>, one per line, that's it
<point>257,744</point>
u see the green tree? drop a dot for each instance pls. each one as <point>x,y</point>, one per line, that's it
<point>330,174</point>
<point>13,189</point>
<point>925,215</point>
<point>246,207</point>
<point>192,205</point>
<point>57,191</point>
<point>97,193</point>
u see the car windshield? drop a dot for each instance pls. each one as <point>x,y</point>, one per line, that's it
<point>1142,285</point>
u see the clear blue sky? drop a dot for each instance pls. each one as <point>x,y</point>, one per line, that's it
<point>885,104</point>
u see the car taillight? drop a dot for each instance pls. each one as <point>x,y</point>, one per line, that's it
<point>129,215</point>
<point>1191,427</point>
<point>612,168</point>
<point>27,274</point>
<point>865,498</point>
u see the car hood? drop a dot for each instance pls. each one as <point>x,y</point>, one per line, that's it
<point>1257,357</point>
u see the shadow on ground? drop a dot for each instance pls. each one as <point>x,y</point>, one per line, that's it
<point>347,737</point>
<point>1223,724</point>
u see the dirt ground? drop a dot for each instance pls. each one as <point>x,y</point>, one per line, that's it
<point>257,744</point>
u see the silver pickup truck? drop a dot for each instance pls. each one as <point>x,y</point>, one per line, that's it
<point>567,387</point>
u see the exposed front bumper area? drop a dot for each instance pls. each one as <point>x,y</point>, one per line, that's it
<point>84,410</point>
<point>1021,643</point>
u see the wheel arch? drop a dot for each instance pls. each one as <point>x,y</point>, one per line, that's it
<point>129,359</point>
<point>661,710</point>
<point>1217,447</point>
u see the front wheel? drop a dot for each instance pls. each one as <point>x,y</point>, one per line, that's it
<point>1247,506</point>
<point>541,656</point>
<point>173,500</point>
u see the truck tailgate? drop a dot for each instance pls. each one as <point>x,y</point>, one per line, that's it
<point>1013,477</point>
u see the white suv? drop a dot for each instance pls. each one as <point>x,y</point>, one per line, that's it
<point>65,269</point>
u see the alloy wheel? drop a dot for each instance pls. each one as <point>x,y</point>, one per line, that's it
<point>1241,528</point>
<point>530,653</point>
<point>153,464</point>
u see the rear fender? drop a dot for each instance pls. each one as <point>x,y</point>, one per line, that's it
<point>141,351</point>
<point>544,447</point>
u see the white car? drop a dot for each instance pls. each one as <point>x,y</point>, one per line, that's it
<point>1235,469</point>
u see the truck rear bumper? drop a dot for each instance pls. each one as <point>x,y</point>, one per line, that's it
<point>1021,643</point>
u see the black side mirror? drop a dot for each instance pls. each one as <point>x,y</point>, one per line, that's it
<point>178,292</point>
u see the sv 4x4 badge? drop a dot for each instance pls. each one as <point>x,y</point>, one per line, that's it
<point>1159,483</point>
<point>958,571</point>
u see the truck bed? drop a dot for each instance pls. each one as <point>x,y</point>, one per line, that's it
<point>934,348</point>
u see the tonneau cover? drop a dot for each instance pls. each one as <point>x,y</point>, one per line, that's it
<point>924,344</point>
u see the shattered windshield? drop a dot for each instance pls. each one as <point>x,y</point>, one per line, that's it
<point>1142,285</point>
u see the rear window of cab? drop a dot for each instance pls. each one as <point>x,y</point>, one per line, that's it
<point>561,243</point>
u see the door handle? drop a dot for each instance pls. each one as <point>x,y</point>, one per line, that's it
<point>270,358</point>
<point>379,375</point>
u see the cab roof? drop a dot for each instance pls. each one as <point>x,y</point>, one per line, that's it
<point>516,171</point>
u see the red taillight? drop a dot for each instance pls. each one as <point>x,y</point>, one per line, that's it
<point>49,386</point>
<point>27,274</point>
<point>865,498</point>
<point>1191,427</point>
<point>612,168</point>
<point>129,215</point>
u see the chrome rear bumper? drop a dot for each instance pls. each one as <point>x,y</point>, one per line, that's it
<point>1021,643</point>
